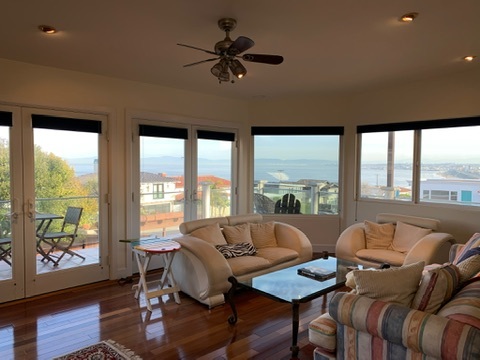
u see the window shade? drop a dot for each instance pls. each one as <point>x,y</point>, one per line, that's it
<point>63,123</point>
<point>163,131</point>
<point>5,118</point>
<point>297,130</point>
<point>418,125</point>
<point>215,135</point>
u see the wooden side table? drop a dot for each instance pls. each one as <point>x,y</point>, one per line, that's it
<point>144,250</point>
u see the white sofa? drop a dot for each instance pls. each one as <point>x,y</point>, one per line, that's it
<point>202,271</point>
<point>421,242</point>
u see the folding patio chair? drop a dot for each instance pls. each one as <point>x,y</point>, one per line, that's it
<point>62,240</point>
<point>6,250</point>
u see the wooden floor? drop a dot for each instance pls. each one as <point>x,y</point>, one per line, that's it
<point>51,325</point>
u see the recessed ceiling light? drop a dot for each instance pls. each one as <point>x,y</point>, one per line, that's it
<point>47,29</point>
<point>409,17</point>
<point>469,58</point>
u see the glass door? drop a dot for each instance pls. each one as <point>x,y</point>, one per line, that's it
<point>57,219</point>
<point>214,181</point>
<point>180,177</point>
<point>161,180</point>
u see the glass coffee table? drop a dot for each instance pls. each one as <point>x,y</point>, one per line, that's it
<point>287,285</point>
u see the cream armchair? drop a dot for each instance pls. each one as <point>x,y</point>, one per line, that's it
<point>423,242</point>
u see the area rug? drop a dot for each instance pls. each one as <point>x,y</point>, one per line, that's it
<point>104,350</point>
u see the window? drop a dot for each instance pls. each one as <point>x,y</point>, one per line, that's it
<point>447,166</point>
<point>158,192</point>
<point>298,161</point>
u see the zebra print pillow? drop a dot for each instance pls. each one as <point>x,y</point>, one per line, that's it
<point>236,250</point>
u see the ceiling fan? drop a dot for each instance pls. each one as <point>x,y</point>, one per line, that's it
<point>228,52</point>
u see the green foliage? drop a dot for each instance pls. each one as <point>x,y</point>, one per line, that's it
<point>56,187</point>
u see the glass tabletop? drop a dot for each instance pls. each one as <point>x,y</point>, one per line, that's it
<point>287,285</point>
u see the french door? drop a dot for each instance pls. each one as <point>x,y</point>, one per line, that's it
<point>51,161</point>
<point>181,173</point>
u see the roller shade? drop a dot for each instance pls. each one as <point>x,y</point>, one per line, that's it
<point>64,123</point>
<point>6,118</point>
<point>297,130</point>
<point>163,131</point>
<point>215,135</point>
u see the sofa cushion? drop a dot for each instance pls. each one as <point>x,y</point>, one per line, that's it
<point>277,255</point>
<point>211,234</point>
<point>437,286</point>
<point>237,234</point>
<point>465,305</point>
<point>322,332</point>
<point>391,257</point>
<point>246,264</point>
<point>263,234</point>
<point>396,285</point>
<point>406,236</point>
<point>236,250</point>
<point>378,236</point>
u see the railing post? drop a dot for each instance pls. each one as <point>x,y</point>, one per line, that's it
<point>314,196</point>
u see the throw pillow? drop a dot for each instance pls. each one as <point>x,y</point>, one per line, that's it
<point>238,233</point>
<point>473,242</point>
<point>407,235</point>
<point>437,286</point>
<point>395,285</point>
<point>378,236</point>
<point>211,234</point>
<point>236,250</point>
<point>469,267</point>
<point>263,234</point>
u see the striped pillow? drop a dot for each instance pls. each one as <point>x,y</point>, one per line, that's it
<point>436,288</point>
<point>236,250</point>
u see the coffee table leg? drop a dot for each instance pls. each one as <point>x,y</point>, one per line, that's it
<point>295,324</point>
<point>232,319</point>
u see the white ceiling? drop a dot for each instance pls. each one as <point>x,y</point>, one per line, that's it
<point>328,46</point>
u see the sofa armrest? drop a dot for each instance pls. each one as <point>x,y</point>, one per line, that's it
<point>422,332</point>
<point>210,267</point>
<point>433,249</point>
<point>351,240</point>
<point>290,237</point>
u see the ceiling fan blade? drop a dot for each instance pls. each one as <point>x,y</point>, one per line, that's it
<point>263,58</point>
<point>197,48</point>
<point>240,45</point>
<point>201,62</point>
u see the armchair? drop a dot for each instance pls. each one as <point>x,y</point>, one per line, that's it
<point>424,243</point>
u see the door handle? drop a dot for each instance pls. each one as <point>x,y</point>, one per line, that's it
<point>30,208</point>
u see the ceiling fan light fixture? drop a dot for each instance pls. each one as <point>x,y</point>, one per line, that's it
<point>237,68</point>
<point>217,69</point>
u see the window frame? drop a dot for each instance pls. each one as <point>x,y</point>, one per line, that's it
<point>417,126</point>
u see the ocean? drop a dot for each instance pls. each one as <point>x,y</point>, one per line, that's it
<point>272,170</point>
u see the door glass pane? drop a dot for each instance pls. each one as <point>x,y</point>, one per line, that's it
<point>214,179</point>
<point>5,206</point>
<point>66,176</point>
<point>161,185</point>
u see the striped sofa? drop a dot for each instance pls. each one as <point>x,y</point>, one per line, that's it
<point>359,327</point>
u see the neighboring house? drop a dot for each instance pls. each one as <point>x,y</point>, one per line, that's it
<point>451,190</point>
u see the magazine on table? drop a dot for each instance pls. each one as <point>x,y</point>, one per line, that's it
<point>317,273</point>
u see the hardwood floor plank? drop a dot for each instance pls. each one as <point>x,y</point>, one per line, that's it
<point>52,325</point>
